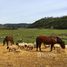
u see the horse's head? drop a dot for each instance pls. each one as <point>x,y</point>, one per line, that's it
<point>62,44</point>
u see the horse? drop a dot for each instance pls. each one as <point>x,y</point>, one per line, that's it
<point>49,40</point>
<point>7,40</point>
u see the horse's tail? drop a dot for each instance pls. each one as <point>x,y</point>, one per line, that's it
<point>38,42</point>
<point>3,42</point>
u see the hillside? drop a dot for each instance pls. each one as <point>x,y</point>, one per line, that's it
<point>51,22</point>
<point>47,22</point>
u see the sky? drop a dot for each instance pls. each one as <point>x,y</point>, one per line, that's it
<point>28,11</point>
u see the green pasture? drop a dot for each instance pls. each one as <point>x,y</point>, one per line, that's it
<point>29,35</point>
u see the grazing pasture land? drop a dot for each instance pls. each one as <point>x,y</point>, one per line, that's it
<point>29,35</point>
<point>32,58</point>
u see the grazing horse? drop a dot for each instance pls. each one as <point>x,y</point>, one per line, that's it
<point>50,40</point>
<point>7,40</point>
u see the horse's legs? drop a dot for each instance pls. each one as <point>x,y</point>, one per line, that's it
<point>51,46</point>
<point>7,45</point>
<point>12,42</point>
<point>40,46</point>
<point>54,48</point>
<point>36,46</point>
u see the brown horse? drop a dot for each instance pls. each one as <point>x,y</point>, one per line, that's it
<point>7,40</point>
<point>50,40</point>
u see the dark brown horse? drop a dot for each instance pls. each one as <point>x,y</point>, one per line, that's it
<point>7,40</point>
<point>50,40</point>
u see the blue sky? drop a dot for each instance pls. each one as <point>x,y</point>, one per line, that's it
<point>28,11</point>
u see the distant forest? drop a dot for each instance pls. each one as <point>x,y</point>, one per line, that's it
<point>51,22</point>
<point>14,26</point>
<point>47,22</point>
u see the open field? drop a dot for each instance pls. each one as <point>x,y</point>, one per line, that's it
<point>29,35</point>
<point>23,58</point>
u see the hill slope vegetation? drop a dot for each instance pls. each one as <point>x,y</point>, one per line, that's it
<point>50,22</point>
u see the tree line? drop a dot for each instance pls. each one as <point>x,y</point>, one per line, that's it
<point>14,26</point>
<point>51,22</point>
<point>47,22</point>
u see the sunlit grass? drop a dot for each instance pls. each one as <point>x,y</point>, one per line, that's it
<point>29,35</point>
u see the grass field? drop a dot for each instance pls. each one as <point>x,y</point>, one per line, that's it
<point>32,58</point>
<point>29,35</point>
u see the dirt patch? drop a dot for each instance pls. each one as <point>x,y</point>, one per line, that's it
<point>24,58</point>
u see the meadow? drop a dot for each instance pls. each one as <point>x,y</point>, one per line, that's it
<point>32,58</point>
<point>29,35</point>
